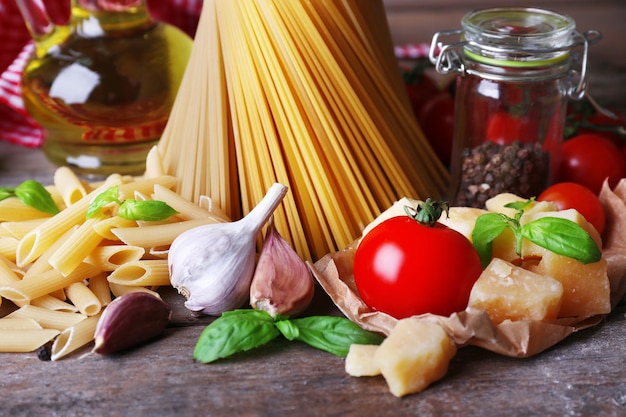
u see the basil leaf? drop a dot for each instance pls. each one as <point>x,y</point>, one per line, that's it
<point>33,194</point>
<point>330,333</point>
<point>563,237</point>
<point>487,227</point>
<point>233,332</point>
<point>288,329</point>
<point>6,192</point>
<point>148,210</point>
<point>102,199</point>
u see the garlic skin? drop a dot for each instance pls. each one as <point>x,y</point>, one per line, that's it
<point>213,265</point>
<point>282,282</point>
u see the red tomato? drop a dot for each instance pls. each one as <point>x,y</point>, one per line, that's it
<point>436,118</point>
<point>504,128</point>
<point>590,159</point>
<point>570,195</point>
<point>404,268</point>
<point>420,92</point>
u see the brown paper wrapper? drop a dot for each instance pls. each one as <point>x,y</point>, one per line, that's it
<point>519,339</point>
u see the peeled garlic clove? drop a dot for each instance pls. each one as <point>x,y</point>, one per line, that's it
<point>212,265</point>
<point>282,282</point>
<point>130,320</point>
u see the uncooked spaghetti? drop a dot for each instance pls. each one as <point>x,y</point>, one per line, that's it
<point>306,93</point>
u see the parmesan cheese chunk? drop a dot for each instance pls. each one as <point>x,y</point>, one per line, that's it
<point>360,360</point>
<point>586,288</point>
<point>415,354</point>
<point>508,292</point>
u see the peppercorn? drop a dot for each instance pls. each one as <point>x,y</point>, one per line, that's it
<point>491,169</point>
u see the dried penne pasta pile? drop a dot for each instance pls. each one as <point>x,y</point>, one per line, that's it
<point>306,93</point>
<point>62,270</point>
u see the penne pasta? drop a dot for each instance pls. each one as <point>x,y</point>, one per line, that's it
<point>48,319</point>
<point>76,248</point>
<point>8,246</point>
<point>104,226</point>
<point>38,285</point>
<point>83,298</point>
<point>100,287</point>
<point>110,257</point>
<point>18,324</point>
<point>25,340</point>
<point>156,236</point>
<point>19,229</point>
<point>13,210</point>
<point>154,166</point>
<point>41,264</point>
<point>70,188</point>
<point>143,273</point>
<point>44,236</point>
<point>74,337</point>
<point>54,303</point>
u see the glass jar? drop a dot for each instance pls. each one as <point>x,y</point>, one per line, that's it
<point>516,68</point>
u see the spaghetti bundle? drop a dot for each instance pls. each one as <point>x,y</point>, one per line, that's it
<point>306,93</point>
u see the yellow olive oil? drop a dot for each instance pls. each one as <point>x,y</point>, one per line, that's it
<point>104,93</point>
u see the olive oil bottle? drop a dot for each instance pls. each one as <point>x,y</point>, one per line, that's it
<point>102,87</point>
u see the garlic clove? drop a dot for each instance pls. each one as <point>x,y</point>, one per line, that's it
<point>282,283</point>
<point>130,320</point>
<point>213,265</point>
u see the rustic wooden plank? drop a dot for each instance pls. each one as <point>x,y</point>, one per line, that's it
<point>581,376</point>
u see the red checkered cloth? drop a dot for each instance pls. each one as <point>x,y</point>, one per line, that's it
<point>16,47</point>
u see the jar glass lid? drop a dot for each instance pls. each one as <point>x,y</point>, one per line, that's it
<point>517,36</point>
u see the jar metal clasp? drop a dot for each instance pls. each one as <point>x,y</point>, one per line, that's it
<point>449,57</point>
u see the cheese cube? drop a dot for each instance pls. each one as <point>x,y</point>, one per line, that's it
<point>360,360</point>
<point>415,354</point>
<point>508,292</point>
<point>462,219</point>
<point>497,204</point>
<point>586,287</point>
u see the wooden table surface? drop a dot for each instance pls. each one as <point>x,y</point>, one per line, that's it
<point>585,375</point>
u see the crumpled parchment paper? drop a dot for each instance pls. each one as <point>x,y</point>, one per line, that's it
<point>334,272</point>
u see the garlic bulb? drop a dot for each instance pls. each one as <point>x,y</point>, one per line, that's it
<point>282,283</point>
<point>213,265</point>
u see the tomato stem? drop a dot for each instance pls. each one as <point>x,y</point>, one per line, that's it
<point>428,212</point>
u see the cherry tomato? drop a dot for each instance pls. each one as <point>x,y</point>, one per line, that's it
<point>436,118</point>
<point>589,159</point>
<point>420,92</point>
<point>503,128</point>
<point>405,268</point>
<point>570,195</point>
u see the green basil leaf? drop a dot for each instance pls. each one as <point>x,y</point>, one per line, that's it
<point>147,210</point>
<point>6,192</point>
<point>233,332</point>
<point>108,196</point>
<point>288,329</point>
<point>488,226</point>
<point>35,195</point>
<point>331,333</point>
<point>564,237</point>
